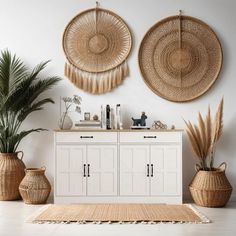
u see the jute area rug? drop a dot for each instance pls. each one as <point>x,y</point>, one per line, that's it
<point>118,213</point>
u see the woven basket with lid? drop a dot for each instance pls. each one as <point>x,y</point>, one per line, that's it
<point>211,188</point>
<point>35,187</point>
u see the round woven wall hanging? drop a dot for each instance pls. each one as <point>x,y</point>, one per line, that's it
<point>97,43</point>
<point>180,58</point>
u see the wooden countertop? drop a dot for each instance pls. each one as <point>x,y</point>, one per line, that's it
<point>120,130</point>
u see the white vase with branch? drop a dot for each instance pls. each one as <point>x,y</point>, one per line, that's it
<point>65,121</point>
<point>204,137</point>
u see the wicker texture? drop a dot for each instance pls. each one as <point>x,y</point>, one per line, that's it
<point>96,40</point>
<point>96,43</point>
<point>11,174</point>
<point>118,213</point>
<point>210,188</point>
<point>180,58</point>
<point>35,187</point>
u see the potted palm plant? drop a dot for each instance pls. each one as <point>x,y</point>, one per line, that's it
<point>210,186</point>
<point>19,97</point>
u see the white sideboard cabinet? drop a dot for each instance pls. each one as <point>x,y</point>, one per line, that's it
<point>118,166</point>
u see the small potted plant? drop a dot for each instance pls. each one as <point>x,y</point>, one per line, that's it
<point>209,187</point>
<point>20,89</point>
<point>65,121</point>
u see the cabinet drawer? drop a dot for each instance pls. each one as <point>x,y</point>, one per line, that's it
<point>150,137</point>
<point>86,137</point>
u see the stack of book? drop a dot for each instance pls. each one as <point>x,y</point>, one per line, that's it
<point>110,119</point>
<point>111,116</point>
<point>88,124</point>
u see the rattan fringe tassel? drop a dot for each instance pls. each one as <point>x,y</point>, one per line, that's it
<point>97,83</point>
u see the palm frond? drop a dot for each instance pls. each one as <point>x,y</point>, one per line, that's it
<point>41,86</point>
<point>28,90</point>
<point>20,89</point>
<point>16,139</point>
<point>37,106</point>
<point>5,64</point>
<point>12,71</point>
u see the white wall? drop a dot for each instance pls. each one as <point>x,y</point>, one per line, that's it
<point>33,30</point>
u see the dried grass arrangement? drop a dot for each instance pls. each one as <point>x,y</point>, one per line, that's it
<point>204,137</point>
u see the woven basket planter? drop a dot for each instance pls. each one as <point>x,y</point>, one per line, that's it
<point>35,187</point>
<point>211,188</point>
<point>11,174</point>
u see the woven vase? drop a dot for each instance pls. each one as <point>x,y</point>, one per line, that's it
<point>11,174</point>
<point>211,188</point>
<point>35,187</point>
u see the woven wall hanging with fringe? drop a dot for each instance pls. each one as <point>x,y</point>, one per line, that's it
<point>180,58</point>
<point>96,43</point>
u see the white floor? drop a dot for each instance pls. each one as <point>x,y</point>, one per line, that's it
<point>14,214</point>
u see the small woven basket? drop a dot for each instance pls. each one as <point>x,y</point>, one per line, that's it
<point>35,187</point>
<point>211,188</point>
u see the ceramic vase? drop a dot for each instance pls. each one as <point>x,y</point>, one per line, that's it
<point>65,122</point>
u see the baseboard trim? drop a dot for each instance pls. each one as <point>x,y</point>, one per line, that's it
<point>187,197</point>
<point>118,199</point>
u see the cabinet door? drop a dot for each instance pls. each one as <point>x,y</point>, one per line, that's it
<point>166,166</point>
<point>133,170</point>
<point>102,170</point>
<point>70,178</point>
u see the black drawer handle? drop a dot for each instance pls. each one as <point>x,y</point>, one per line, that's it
<point>88,170</point>
<point>150,136</point>
<point>151,170</point>
<point>147,170</point>
<point>84,170</point>
<point>86,137</point>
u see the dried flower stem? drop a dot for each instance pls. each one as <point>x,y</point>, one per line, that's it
<point>68,101</point>
<point>204,137</point>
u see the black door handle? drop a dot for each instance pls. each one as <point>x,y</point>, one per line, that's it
<point>84,170</point>
<point>88,170</point>
<point>151,170</point>
<point>147,170</point>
